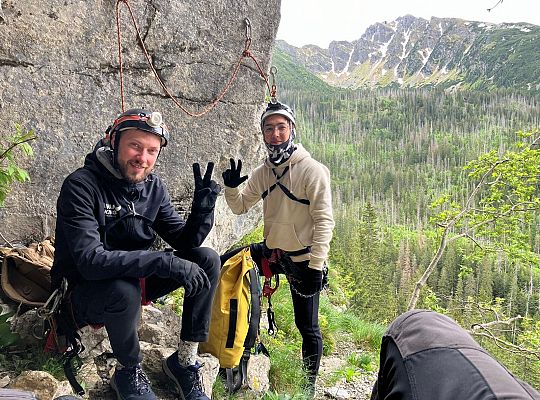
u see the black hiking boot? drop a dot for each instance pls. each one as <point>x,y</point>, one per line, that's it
<point>132,384</point>
<point>186,379</point>
<point>309,387</point>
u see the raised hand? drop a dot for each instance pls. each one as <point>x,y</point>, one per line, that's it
<point>206,189</point>
<point>231,176</point>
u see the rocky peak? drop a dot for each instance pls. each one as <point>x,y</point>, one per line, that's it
<point>414,51</point>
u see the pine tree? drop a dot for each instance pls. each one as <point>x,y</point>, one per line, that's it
<point>485,280</point>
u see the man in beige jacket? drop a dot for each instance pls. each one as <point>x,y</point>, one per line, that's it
<point>298,221</point>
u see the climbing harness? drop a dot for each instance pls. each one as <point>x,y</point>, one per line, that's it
<point>246,53</point>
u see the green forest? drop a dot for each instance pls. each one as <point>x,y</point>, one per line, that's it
<point>420,173</point>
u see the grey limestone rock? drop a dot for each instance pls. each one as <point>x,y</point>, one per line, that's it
<point>60,77</point>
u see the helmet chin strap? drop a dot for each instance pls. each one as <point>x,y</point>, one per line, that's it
<point>115,144</point>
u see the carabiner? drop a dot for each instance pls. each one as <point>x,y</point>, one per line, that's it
<point>273,73</point>
<point>248,28</point>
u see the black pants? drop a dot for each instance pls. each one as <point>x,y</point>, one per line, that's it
<point>306,311</point>
<point>116,303</point>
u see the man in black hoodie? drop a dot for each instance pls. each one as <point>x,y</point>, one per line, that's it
<point>109,213</point>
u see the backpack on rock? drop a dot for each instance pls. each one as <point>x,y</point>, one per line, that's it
<point>236,312</point>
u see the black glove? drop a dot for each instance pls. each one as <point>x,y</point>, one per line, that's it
<point>311,281</point>
<point>188,274</point>
<point>206,189</point>
<point>231,176</point>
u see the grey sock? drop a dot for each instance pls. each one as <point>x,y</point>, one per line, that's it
<point>187,352</point>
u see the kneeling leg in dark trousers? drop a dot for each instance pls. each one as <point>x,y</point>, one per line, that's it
<point>426,355</point>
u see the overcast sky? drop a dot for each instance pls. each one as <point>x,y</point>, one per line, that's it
<point>321,21</point>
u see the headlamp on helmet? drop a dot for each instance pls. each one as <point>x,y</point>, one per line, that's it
<point>278,108</point>
<point>143,120</point>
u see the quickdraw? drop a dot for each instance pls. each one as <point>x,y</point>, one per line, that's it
<point>273,90</point>
<point>246,53</point>
<point>268,291</point>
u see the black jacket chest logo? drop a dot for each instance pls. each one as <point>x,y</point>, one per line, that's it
<point>111,210</point>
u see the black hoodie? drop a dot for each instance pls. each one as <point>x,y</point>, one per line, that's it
<point>105,225</point>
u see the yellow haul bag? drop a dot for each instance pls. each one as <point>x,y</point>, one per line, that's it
<point>236,311</point>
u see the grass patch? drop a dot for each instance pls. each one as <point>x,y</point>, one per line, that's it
<point>364,361</point>
<point>22,358</point>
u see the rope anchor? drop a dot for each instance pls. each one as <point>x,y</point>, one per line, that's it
<point>212,103</point>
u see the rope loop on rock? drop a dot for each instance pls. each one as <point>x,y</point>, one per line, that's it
<point>246,53</point>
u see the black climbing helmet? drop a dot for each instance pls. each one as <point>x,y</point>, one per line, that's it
<point>138,118</point>
<point>278,108</point>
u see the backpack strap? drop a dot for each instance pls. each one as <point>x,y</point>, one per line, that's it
<point>236,378</point>
<point>291,196</point>
<point>253,330</point>
<point>233,379</point>
<point>267,192</point>
<point>303,251</point>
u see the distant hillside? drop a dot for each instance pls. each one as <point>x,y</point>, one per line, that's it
<point>294,76</point>
<point>414,52</point>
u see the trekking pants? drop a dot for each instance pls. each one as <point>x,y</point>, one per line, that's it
<point>116,303</point>
<point>306,311</point>
<point>427,356</point>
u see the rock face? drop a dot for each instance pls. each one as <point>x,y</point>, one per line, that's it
<point>413,51</point>
<point>60,77</point>
<point>159,333</point>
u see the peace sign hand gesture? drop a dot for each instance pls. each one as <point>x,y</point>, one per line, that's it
<point>206,189</point>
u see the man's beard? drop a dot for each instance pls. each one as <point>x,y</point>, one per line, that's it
<point>124,168</point>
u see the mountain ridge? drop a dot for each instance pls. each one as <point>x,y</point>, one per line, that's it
<point>411,52</point>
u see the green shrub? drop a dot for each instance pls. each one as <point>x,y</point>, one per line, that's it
<point>11,148</point>
<point>7,338</point>
<point>361,360</point>
<point>350,373</point>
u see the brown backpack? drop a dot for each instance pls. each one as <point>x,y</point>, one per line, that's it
<point>26,272</point>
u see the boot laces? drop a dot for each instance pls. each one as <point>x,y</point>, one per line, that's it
<point>197,381</point>
<point>140,381</point>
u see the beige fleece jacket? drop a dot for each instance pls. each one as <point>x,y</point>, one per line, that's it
<point>288,224</point>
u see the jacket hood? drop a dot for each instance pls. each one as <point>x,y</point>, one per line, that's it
<point>100,162</point>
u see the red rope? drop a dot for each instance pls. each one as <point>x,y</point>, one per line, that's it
<point>245,54</point>
<point>119,36</point>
